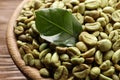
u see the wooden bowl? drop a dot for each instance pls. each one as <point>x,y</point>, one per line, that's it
<point>28,71</point>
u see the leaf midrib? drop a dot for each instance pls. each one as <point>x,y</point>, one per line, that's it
<point>69,32</point>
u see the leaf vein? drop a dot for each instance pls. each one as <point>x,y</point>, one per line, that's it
<point>69,32</point>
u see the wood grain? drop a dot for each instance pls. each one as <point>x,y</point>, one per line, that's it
<point>8,70</point>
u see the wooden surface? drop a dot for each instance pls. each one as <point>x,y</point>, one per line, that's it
<point>8,70</point>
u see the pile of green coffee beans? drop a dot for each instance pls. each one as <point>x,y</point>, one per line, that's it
<point>95,57</point>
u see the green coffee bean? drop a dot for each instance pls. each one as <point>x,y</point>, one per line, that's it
<point>94,72</point>
<point>61,4</point>
<point>79,17</point>
<point>30,46</point>
<point>109,72</point>
<point>33,26</point>
<point>32,63</point>
<point>92,26</point>
<point>94,14</point>
<point>35,44</point>
<point>103,35</point>
<point>55,60</point>
<point>44,72</point>
<point>112,2</point>
<point>99,10</point>
<point>77,61</point>
<point>96,33</point>
<point>89,60</point>
<point>99,57</point>
<point>29,19</point>
<point>116,25</point>
<point>108,10</point>
<point>22,38</point>
<point>103,3</point>
<point>64,57</point>
<point>42,46</point>
<point>110,17</point>
<point>21,24</point>
<point>28,13</point>
<point>61,73</point>
<point>108,55</point>
<point>28,58</point>
<point>109,28</point>
<point>25,37</point>
<point>71,78</point>
<point>115,77</point>
<point>81,71</point>
<point>102,21</point>
<point>101,29</point>
<point>74,2</point>
<point>43,53</point>
<point>47,5</point>
<point>91,4</point>
<point>68,5</point>
<point>38,64</point>
<point>105,65</point>
<point>73,52</point>
<point>28,5</point>
<point>61,50</point>
<point>47,59</point>
<point>22,52</point>
<point>18,30</point>
<point>102,77</point>
<point>117,6</point>
<point>118,31</point>
<point>105,16</point>
<point>67,65</point>
<point>35,53</point>
<point>70,10</point>
<point>30,24</point>
<point>115,15</point>
<point>117,67</point>
<point>27,49</point>
<point>37,4</point>
<point>89,53</point>
<point>20,43</point>
<point>89,19</point>
<point>83,27</point>
<point>30,31</point>
<point>81,46</point>
<point>81,8</point>
<point>55,4</point>
<point>116,56</point>
<point>116,45</point>
<point>21,18</point>
<point>88,38</point>
<point>104,45</point>
<point>113,36</point>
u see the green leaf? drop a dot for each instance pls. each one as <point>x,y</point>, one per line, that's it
<point>57,26</point>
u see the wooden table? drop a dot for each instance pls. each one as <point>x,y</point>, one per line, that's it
<point>8,70</point>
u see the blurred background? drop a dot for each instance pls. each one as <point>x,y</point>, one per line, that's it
<point>8,70</point>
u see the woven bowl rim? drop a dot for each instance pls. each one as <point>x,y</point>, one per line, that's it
<point>28,71</point>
